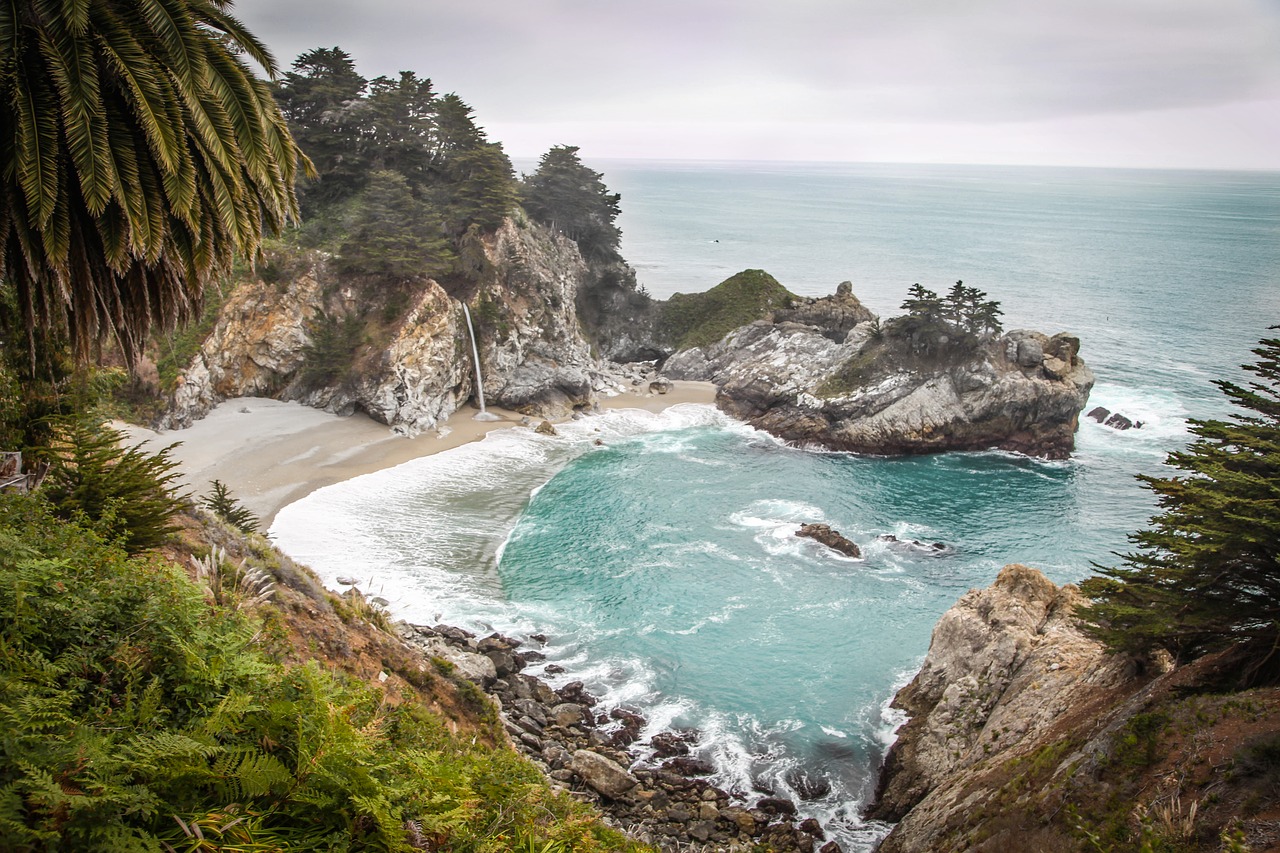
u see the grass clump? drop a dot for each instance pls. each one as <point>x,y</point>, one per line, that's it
<point>700,319</point>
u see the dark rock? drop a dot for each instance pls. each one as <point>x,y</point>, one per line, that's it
<point>568,714</point>
<point>830,847</point>
<point>553,669</point>
<point>451,633</point>
<point>1119,421</point>
<point>575,692</point>
<point>688,766</point>
<point>531,740</point>
<point>539,638</point>
<point>934,548</point>
<point>811,826</point>
<point>807,785</point>
<point>531,657</point>
<point>1099,414</point>
<point>497,642</point>
<point>777,806</point>
<point>831,538</point>
<point>702,830</point>
<point>669,744</point>
<point>505,662</point>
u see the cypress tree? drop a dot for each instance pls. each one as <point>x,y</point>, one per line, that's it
<point>1206,573</point>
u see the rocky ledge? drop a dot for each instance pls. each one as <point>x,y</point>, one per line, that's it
<point>825,372</point>
<point>656,791</point>
<point>1008,666</point>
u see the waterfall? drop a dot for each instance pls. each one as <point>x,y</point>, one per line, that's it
<point>475,355</point>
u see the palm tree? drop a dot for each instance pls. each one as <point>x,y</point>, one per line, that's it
<point>139,156</point>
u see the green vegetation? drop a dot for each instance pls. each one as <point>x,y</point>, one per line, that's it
<point>332,350</point>
<point>139,715</point>
<point>936,325</point>
<point>126,496</point>
<point>702,319</point>
<point>572,199</point>
<point>221,503</point>
<point>1206,574</point>
<point>142,156</point>
<point>934,330</point>
<point>401,173</point>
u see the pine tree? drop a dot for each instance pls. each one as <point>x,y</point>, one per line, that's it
<point>1206,573</point>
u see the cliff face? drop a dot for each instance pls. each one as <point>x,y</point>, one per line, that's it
<point>1024,734</point>
<point>822,373</point>
<point>1005,666</point>
<point>416,371</point>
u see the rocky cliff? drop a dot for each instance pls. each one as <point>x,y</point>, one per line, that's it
<point>825,372</point>
<point>409,366</point>
<point>1024,734</point>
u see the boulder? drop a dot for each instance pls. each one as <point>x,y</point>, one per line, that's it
<point>873,395</point>
<point>545,428</point>
<point>606,777</point>
<point>1099,414</point>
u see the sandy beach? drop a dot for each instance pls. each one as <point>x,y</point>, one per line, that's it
<point>272,453</point>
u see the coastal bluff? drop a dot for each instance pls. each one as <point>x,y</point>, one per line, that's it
<point>826,372</point>
<point>1024,733</point>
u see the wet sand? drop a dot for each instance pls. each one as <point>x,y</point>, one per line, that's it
<point>271,453</point>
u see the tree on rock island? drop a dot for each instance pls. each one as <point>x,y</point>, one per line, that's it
<point>140,156</point>
<point>1206,574</point>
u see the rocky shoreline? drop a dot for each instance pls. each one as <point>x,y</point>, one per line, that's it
<point>657,792</point>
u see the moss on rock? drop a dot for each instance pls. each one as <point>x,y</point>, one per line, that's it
<point>700,319</point>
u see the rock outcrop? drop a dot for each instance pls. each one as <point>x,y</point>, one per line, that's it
<point>416,372</point>
<point>833,539</point>
<point>825,373</point>
<point>1007,666</point>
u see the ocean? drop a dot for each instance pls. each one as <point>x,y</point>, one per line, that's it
<point>657,552</point>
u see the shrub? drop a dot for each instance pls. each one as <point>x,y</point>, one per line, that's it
<point>126,494</point>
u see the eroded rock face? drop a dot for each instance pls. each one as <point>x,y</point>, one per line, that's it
<point>535,358</point>
<point>253,350</point>
<point>780,378</point>
<point>533,354</point>
<point>1005,665</point>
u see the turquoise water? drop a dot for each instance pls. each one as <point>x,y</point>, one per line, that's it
<point>662,562</point>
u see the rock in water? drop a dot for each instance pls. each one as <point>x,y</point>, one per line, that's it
<point>545,428</point>
<point>831,538</point>
<point>1099,414</point>
<point>1119,421</point>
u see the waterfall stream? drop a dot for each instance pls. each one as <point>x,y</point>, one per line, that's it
<point>475,355</point>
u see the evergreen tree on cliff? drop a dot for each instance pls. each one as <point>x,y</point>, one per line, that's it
<point>1206,574</point>
<point>140,154</point>
<point>573,199</point>
<point>323,100</point>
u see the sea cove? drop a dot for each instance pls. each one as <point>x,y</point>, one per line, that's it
<point>661,561</point>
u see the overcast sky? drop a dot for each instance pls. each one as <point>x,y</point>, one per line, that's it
<point>1162,83</point>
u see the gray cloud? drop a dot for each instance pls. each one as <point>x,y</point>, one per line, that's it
<point>804,61</point>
